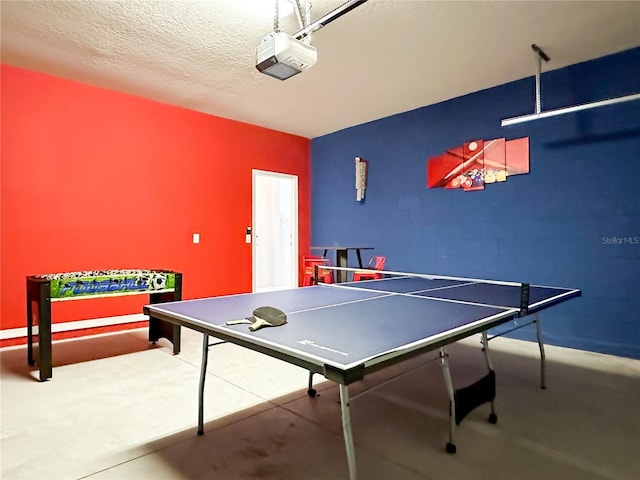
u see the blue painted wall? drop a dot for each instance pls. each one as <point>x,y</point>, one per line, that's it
<point>556,226</point>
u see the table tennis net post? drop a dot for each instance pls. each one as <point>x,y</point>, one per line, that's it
<point>524,299</point>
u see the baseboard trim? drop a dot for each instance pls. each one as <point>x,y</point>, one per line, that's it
<point>77,325</point>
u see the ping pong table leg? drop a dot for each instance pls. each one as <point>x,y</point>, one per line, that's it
<point>493,418</point>
<point>203,376</point>
<point>543,370</point>
<point>346,429</point>
<point>444,359</point>
<point>310,390</point>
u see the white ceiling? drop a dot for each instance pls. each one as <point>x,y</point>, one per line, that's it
<point>382,58</point>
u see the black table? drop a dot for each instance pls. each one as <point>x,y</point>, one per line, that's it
<point>342,258</point>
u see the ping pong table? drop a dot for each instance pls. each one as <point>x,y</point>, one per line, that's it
<point>346,331</point>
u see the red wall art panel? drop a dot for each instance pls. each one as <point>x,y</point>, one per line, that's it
<point>477,163</point>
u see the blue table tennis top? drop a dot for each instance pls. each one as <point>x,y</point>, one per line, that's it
<point>359,324</point>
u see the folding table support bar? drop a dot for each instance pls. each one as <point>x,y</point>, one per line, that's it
<point>543,369</point>
<point>346,430</point>
<point>543,358</point>
<point>203,376</point>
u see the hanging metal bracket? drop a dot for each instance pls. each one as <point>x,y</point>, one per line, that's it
<point>328,18</point>
<point>540,56</point>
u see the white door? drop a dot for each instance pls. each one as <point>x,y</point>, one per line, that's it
<point>275,231</point>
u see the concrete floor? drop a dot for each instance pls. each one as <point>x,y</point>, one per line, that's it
<point>119,408</point>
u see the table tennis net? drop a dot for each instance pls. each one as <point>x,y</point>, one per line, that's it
<point>473,290</point>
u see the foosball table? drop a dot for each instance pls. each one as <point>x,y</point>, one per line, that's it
<point>160,285</point>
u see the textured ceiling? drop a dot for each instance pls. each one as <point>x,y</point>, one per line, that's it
<point>383,58</point>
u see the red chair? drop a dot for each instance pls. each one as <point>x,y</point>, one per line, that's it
<point>377,262</point>
<point>309,262</point>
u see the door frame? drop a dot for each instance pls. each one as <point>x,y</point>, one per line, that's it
<point>293,179</point>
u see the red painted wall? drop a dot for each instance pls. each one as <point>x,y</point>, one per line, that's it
<point>94,179</point>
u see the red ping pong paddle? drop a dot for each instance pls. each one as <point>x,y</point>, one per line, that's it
<point>263,317</point>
